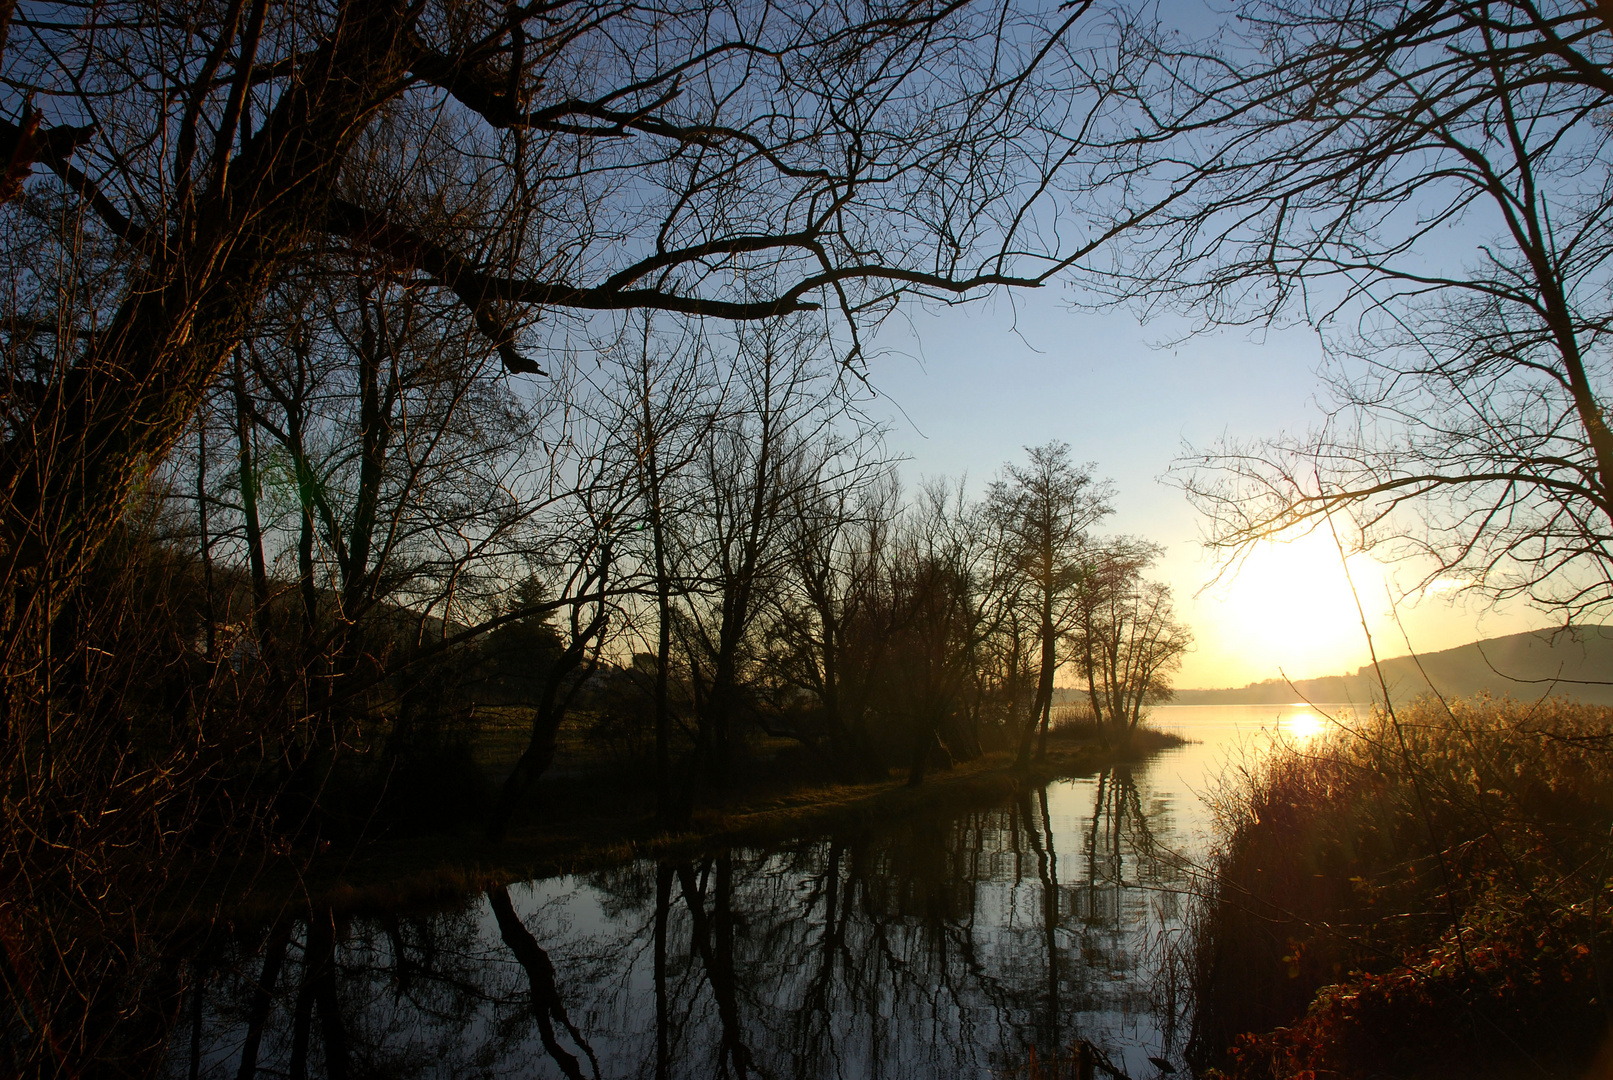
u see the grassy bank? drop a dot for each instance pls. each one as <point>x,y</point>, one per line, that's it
<point>588,818</point>
<point>1423,894</point>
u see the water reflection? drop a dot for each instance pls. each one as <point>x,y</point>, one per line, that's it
<point>1300,724</point>
<point>954,946</point>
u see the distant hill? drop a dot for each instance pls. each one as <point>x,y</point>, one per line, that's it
<point>1518,665</point>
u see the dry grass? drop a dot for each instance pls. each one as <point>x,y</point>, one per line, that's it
<point>1422,890</point>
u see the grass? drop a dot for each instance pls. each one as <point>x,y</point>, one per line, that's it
<point>586,818</point>
<point>1425,894</point>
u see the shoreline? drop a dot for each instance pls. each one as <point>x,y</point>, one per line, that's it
<point>441,869</point>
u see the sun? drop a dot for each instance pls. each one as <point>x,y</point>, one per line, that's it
<point>1301,726</point>
<point>1288,606</point>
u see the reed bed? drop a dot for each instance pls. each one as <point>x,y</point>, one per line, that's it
<point>1422,892</point>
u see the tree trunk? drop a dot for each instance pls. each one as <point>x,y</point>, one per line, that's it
<point>714,943</point>
<point>69,473</point>
<point>546,719</point>
<point>249,509</point>
<point>663,1020</point>
<point>1044,691</point>
<point>274,955</point>
<point>547,1006</point>
<point>205,541</point>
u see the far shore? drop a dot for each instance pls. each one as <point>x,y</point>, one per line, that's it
<point>1527,666</point>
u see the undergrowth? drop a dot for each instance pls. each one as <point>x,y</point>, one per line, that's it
<point>1419,893</point>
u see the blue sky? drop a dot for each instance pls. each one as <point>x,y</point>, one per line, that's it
<point>966,388</point>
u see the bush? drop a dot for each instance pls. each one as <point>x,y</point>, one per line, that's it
<point>1423,889</point>
<point>1074,720</point>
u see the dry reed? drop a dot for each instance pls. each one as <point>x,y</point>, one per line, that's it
<point>1420,889</point>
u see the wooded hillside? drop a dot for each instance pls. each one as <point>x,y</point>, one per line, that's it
<point>1577,664</point>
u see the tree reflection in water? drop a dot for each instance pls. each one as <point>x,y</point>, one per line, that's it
<point>949,947</point>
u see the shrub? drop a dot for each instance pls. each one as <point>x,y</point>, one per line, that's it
<point>1427,886</point>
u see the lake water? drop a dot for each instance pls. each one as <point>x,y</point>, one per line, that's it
<point>958,946</point>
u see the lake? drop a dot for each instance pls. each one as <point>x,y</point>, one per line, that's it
<point>963,945</point>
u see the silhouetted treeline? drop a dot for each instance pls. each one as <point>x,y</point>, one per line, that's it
<point>697,546</point>
<point>364,551</point>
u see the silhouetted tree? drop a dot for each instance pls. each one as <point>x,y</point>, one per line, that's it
<point>1428,185</point>
<point>478,152</point>
<point>665,402</point>
<point>943,600</point>
<point>1126,639</point>
<point>828,631</point>
<point>781,395</point>
<point>1045,509</point>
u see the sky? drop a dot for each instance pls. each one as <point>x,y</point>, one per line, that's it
<point>966,388</point>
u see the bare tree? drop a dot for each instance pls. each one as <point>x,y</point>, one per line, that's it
<point>663,401</point>
<point>184,182</point>
<point>944,609</point>
<point>583,564</point>
<point>1429,185</point>
<point>781,397</point>
<point>828,631</point>
<point>378,471</point>
<point>1045,509</point>
<point>1126,640</point>
<point>782,158</point>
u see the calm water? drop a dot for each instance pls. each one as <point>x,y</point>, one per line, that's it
<point>950,947</point>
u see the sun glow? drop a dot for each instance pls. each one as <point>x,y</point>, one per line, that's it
<point>1301,726</point>
<point>1288,608</point>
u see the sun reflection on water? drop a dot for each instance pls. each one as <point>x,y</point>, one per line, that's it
<point>1301,726</point>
